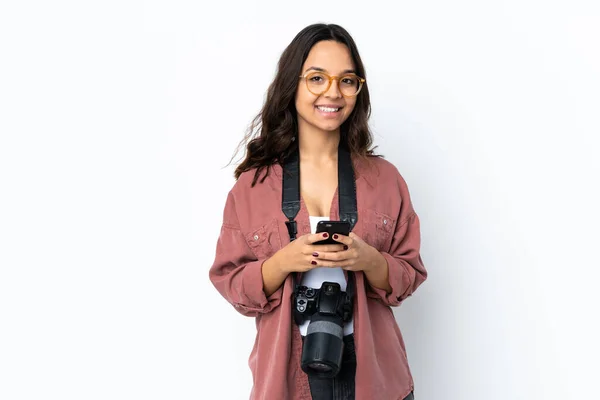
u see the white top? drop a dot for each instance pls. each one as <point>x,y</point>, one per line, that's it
<point>316,276</point>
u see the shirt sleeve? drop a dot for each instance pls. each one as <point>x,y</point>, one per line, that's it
<point>405,267</point>
<point>236,272</point>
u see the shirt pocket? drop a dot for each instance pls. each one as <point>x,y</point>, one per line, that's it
<point>264,241</point>
<point>379,229</point>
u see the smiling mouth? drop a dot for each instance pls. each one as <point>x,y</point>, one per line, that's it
<point>328,109</point>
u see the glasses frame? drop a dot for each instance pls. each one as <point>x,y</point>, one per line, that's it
<point>331,79</point>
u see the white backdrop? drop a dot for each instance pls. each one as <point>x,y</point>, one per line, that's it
<point>117,120</point>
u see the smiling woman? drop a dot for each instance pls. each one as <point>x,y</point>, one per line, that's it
<point>320,67</point>
<point>311,299</point>
<point>325,105</point>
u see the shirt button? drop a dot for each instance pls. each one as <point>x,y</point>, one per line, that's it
<point>385,221</point>
<point>255,237</point>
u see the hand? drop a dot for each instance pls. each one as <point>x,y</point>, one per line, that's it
<point>301,255</point>
<point>356,256</point>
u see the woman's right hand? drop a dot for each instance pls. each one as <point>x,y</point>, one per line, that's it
<point>301,255</point>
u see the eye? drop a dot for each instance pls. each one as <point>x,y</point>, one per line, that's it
<point>349,80</point>
<point>317,78</point>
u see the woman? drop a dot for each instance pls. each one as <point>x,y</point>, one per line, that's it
<point>317,104</point>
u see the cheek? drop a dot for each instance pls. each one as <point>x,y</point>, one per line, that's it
<point>305,104</point>
<point>349,108</point>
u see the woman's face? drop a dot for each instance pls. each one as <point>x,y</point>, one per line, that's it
<point>327,111</point>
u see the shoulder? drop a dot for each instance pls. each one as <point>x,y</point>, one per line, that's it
<point>386,188</point>
<point>255,205</point>
<point>244,181</point>
<point>383,166</point>
<point>377,171</point>
<point>243,184</point>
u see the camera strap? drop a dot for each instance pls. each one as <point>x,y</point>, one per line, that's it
<point>290,204</point>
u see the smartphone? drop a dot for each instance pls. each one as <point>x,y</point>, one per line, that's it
<point>332,227</point>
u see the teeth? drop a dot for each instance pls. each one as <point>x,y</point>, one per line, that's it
<point>328,109</point>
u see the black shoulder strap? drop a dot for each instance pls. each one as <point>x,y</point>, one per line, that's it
<point>290,204</point>
<point>346,188</point>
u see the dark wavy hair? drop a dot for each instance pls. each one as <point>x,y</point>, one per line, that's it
<point>271,136</point>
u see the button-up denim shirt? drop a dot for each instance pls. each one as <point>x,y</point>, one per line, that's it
<point>254,229</point>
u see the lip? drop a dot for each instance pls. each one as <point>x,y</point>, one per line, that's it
<point>329,115</point>
<point>330,106</point>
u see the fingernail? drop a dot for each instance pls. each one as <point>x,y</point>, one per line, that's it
<point>313,262</point>
<point>325,235</point>
<point>335,236</point>
<point>345,247</point>
<point>315,254</point>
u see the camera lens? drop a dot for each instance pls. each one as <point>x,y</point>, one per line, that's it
<point>323,346</point>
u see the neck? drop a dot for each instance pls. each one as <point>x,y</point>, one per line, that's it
<point>318,146</point>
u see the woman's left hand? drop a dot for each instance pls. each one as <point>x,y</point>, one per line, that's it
<point>358,256</point>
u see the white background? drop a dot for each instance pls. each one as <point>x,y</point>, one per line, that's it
<point>118,119</point>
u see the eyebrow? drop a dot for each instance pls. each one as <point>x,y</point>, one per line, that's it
<point>346,71</point>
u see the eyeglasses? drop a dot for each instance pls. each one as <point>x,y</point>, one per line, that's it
<point>319,82</point>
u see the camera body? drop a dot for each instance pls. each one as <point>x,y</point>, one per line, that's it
<point>328,300</point>
<point>327,309</point>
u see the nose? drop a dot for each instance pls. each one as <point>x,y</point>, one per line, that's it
<point>334,90</point>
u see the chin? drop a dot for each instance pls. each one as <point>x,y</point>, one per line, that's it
<point>328,127</point>
<point>325,126</point>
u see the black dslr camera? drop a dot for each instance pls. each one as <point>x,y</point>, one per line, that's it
<point>327,308</point>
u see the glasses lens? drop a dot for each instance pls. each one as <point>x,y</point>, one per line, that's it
<point>349,85</point>
<point>317,82</point>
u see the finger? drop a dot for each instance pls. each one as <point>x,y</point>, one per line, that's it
<point>354,236</point>
<point>331,256</point>
<point>340,238</point>
<point>346,240</point>
<point>323,248</point>
<point>333,264</point>
<point>351,265</point>
<point>315,237</point>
